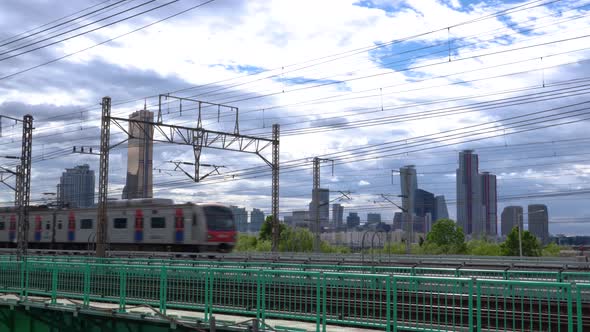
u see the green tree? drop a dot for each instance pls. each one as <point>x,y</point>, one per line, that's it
<point>530,244</point>
<point>265,233</point>
<point>445,238</point>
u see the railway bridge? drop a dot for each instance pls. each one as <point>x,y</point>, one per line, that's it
<point>57,293</point>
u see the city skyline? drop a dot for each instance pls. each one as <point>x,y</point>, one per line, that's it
<point>477,75</point>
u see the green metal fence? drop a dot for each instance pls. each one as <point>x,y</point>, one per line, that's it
<point>385,302</point>
<point>494,274</point>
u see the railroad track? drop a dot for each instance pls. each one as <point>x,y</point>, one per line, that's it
<point>581,264</point>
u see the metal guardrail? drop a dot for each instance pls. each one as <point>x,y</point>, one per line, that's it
<point>494,274</point>
<point>377,301</point>
<point>582,262</point>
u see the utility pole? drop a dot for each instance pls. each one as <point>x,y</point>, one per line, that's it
<point>316,200</point>
<point>22,188</point>
<point>275,187</point>
<point>103,180</point>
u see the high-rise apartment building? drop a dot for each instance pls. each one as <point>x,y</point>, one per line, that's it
<point>76,187</point>
<point>139,156</point>
<point>511,217</point>
<point>337,215</point>
<point>476,197</point>
<point>539,221</point>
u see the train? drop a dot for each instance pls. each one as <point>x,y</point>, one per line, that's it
<point>155,224</point>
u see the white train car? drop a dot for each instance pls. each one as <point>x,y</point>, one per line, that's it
<point>135,225</point>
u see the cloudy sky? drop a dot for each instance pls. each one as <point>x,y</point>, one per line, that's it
<point>372,84</point>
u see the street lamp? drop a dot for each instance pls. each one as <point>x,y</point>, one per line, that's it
<point>521,225</point>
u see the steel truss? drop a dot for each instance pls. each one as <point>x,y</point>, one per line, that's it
<point>198,138</point>
<point>22,188</point>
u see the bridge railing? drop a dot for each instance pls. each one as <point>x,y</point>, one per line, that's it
<point>495,274</point>
<point>377,301</point>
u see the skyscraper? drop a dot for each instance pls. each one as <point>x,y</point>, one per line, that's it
<point>301,218</point>
<point>489,197</point>
<point>476,197</point>
<point>353,220</point>
<point>468,193</point>
<point>256,220</point>
<point>324,207</point>
<point>441,208</point>
<point>76,187</point>
<point>409,185</point>
<point>539,221</point>
<point>509,218</point>
<point>240,218</point>
<point>373,218</point>
<point>139,156</point>
<point>337,215</point>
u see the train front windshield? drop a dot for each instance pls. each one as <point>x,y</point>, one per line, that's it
<point>219,218</point>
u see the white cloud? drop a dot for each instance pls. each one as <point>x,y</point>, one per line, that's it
<point>201,47</point>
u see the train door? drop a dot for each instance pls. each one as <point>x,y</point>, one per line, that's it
<point>160,225</point>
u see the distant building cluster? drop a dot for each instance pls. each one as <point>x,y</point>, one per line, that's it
<point>538,220</point>
<point>420,207</point>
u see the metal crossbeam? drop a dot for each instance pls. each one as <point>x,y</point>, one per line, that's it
<point>200,138</point>
<point>199,107</point>
<point>178,166</point>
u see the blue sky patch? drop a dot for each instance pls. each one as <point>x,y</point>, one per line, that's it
<point>339,85</point>
<point>386,6</point>
<point>246,69</point>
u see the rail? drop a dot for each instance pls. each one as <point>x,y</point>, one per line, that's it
<point>386,302</point>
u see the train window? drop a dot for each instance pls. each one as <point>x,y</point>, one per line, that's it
<point>219,218</point>
<point>85,223</point>
<point>158,222</point>
<point>59,226</point>
<point>194,219</point>
<point>120,223</point>
<point>2,225</point>
<point>47,226</point>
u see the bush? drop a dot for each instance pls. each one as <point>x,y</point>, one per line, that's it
<point>246,243</point>
<point>552,249</point>
<point>483,248</point>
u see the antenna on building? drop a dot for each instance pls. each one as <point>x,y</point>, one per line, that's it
<point>145,104</point>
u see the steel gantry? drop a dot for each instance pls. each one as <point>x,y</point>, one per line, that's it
<point>22,188</point>
<point>198,138</point>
